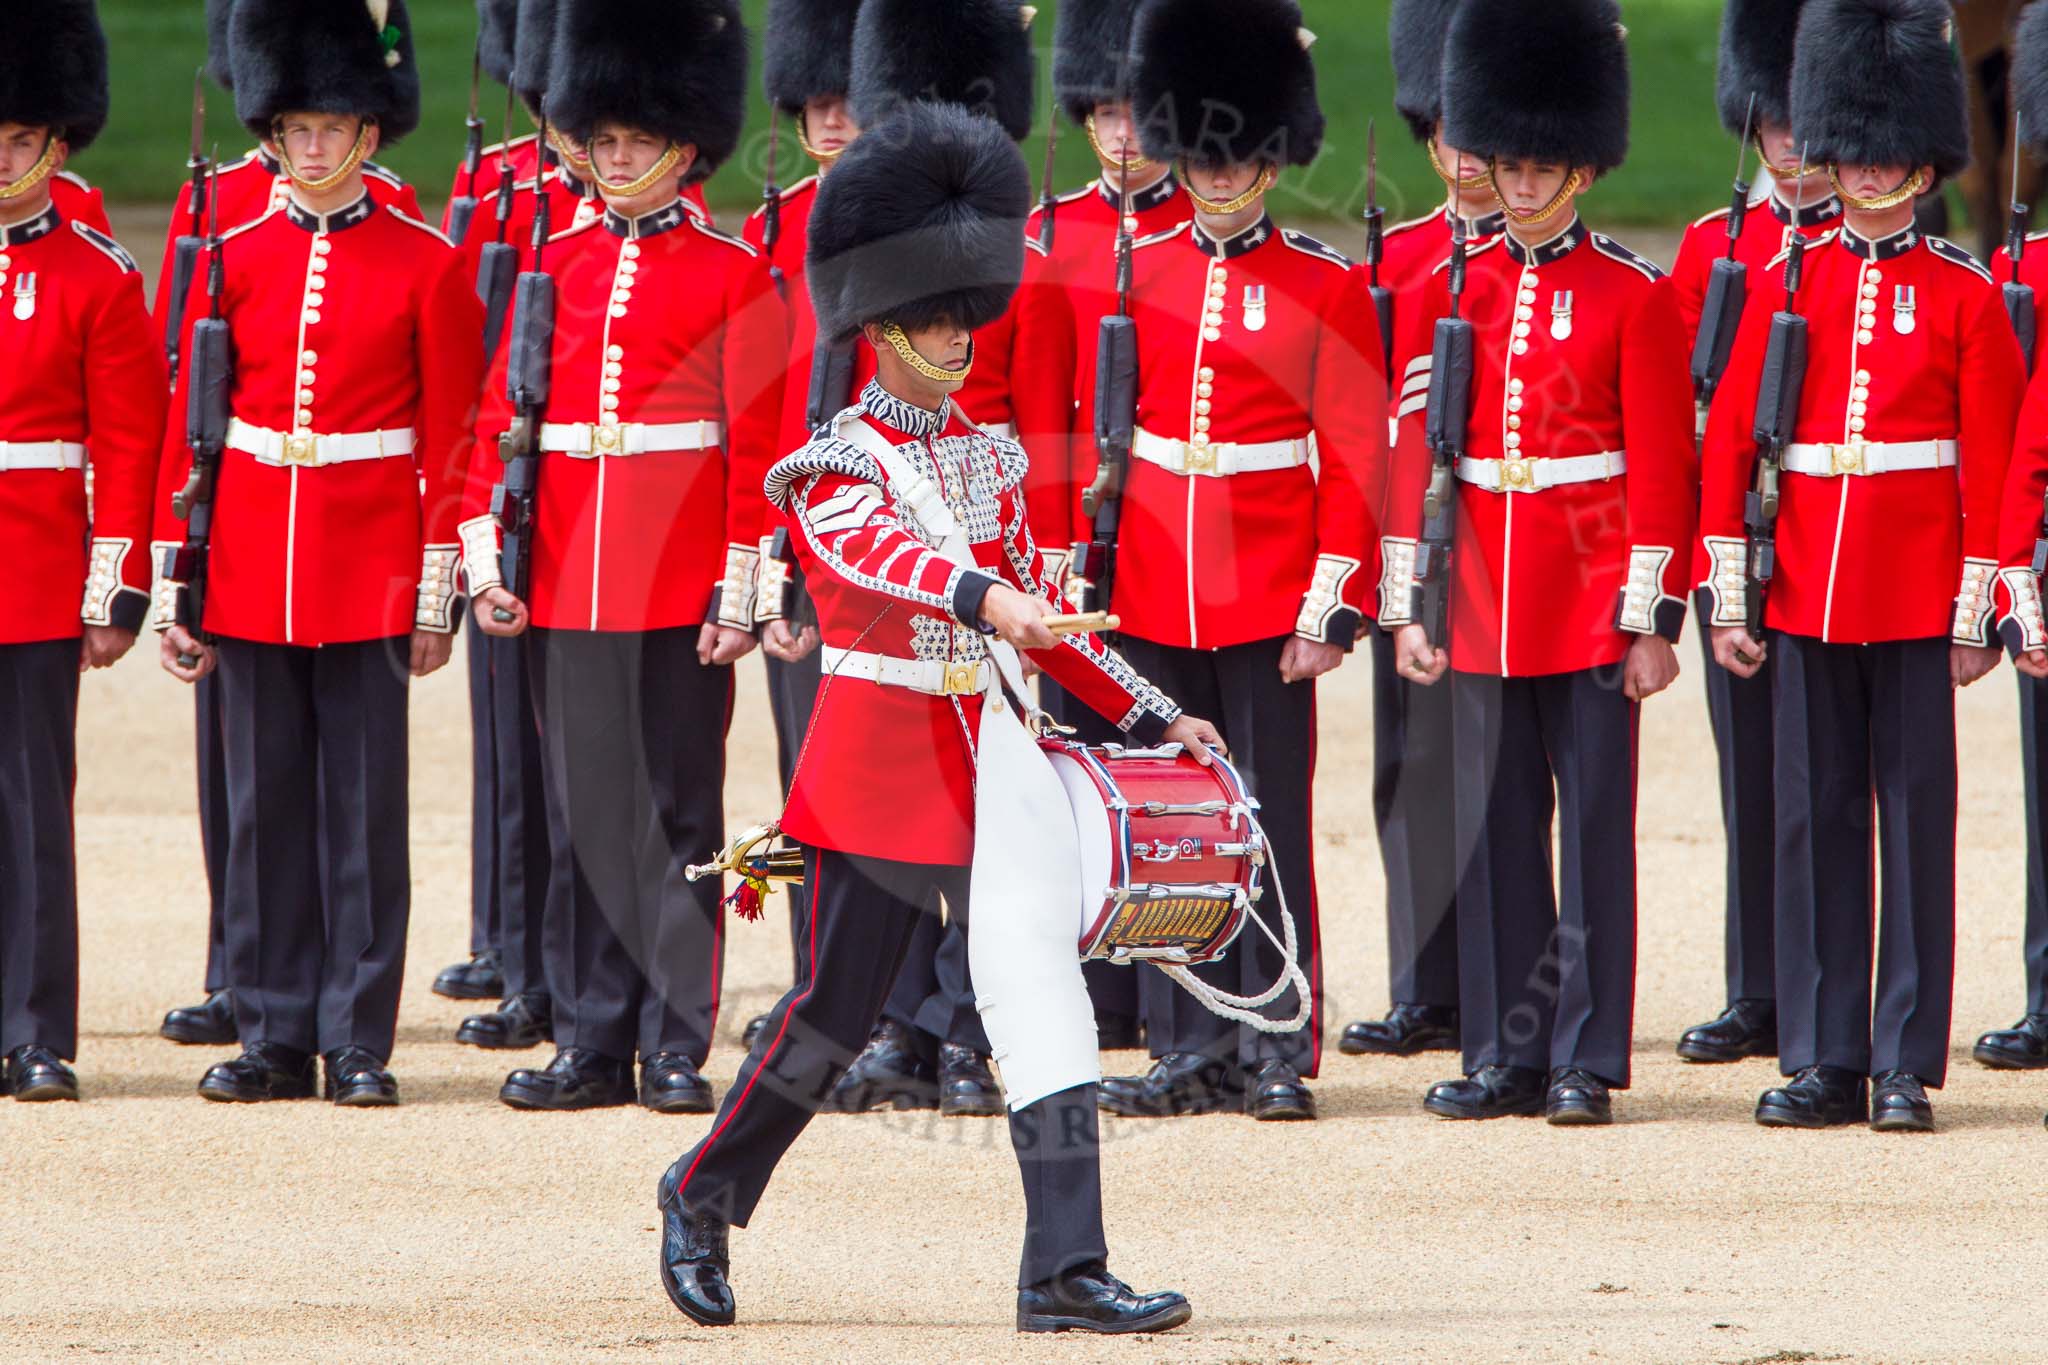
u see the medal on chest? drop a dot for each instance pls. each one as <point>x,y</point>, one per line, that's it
<point>1255,308</point>
<point>1904,303</point>
<point>24,297</point>
<point>1560,314</point>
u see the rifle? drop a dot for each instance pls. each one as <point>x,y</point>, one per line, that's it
<point>1727,286</point>
<point>1116,420</point>
<point>206,433</point>
<point>185,251</point>
<point>1446,419</point>
<point>1777,412</point>
<point>1375,243</point>
<point>529,375</point>
<point>2019,298</point>
<point>1048,202</point>
<point>497,266</point>
<point>771,206</point>
<point>463,206</point>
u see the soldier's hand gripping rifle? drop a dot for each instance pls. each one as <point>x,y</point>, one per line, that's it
<point>498,265</point>
<point>462,207</point>
<point>1446,421</point>
<point>1777,412</point>
<point>1375,242</point>
<point>210,372</point>
<point>1727,288</point>
<point>529,376</point>
<point>2019,298</point>
<point>185,251</point>
<point>1116,421</point>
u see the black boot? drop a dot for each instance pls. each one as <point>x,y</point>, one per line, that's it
<point>356,1079</point>
<point>1491,1092</point>
<point>525,1020</point>
<point>576,1079</point>
<point>1178,1083</point>
<point>1818,1097</point>
<point>671,1084</point>
<point>695,1260</point>
<point>2023,1047</point>
<point>36,1073</point>
<point>751,1034</point>
<point>480,978</point>
<point>1898,1104</point>
<point>967,1088</point>
<point>210,1025</point>
<point>890,1073</point>
<point>1407,1030</point>
<point>1090,1299</point>
<point>1276,1092</point>
<point>1576,1098</point>
<point>1747,1028</point>
<point>264,1071</point>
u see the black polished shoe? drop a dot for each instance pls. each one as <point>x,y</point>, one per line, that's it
<point>890,1073</point>
<point>695,1261</point>
<point>1407,1030</point>
<point>525,1020</point>
<point>356,1079</point>
<point>1119,1032</point>
<point>1275,1092</point>
<point>576,1079</point>
<point>1577,1097</point>
<point>35,1074</point>
<point>1491,1092</point>
<point>2023,1047</point>
<point>210,1025</point>
<point>480,978</point>
<point>1747,1028</point>
<point>1090,1299</point>
<point>1818,1097</point>
<point>751,1034</point>
<point>670,1084</point>
<point>1898,1104</point>
<point>967,1087</point>
<point>264,1071</point>
<point>1178,1083</point>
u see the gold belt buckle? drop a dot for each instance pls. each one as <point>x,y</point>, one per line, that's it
<point>1518,474</point>
<point>1200,459</point>
<point>301,448</point>
<point>1846,459</point>
<point>608,439</point>
<point>960,679</point>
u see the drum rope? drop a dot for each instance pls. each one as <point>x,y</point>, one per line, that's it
<point>1245,1008</point>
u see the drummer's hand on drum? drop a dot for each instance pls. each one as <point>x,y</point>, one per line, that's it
<point>1198,737</point>
<point>1019,617</point>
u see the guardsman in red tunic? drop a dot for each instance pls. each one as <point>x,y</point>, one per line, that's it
<point>1753,91</point>
<point>1888,577</point>
<point>246,189</point>
<point>911,526</point>
<point>1246,538</point>
<point>661,425</point>
<point>83,382</point>
<point>1574,501</point>
<point>930,1048</point>
<point>357,359</point>
<point>1411,724</point>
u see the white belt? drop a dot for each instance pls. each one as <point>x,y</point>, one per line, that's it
<point>285,448</point>
<point>588,440</point>
<point>1219,459</point>
<point>41,455</point>
<point>936,677</point>
<point>1868,457</point>
<point>1534,473</point>
<point>1006,431</point>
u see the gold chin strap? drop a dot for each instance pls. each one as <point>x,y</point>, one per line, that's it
<point>1790,172</point>
<point>576,161</point>
<point>1450,177</point>
<point>37,174</point>
<point>1137,163</point>
<point>350,164</point>
<point>1915,183</point>
<point>1244,201</point>
<point>1547,212</point>
<point>631,188</point>
<point>900,344</point>
<point>803,140</point>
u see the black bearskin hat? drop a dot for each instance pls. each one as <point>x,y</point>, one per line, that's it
<point>2030,76</point>
<point>1091,61</point>
<point>1226,82</point>
<point>807,51</point>
<point>975,53</point>
<point>325,57</point>
<point>1756,59</point>
<point>497,33</point>
<point>219,65</point>
<point>1876,82</point>
<point>1416,38</point>
<point>921,219</point>
<point>53,69</point>
<point>673,67</point>
<point>1547,82</point>
<point>533,53</point>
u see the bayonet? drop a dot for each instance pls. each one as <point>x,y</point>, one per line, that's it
<point>1047,202</point>
<point>1375,241</point>
<point>2019,298</point>
<point>185,250</point>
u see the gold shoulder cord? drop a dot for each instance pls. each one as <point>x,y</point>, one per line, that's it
<point>37,173</point>
<point>350,164</point>
<point>660,168</point>
<point>1244,201</point>
<point>900,344</point>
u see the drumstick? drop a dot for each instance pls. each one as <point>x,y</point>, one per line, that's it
<point>1082,623</point>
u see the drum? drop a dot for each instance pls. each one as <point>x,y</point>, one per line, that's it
<point>1171,851</point>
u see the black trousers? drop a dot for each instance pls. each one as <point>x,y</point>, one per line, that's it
<point>862,916</point>
<point>1855,721</point>
<point>792,695</point>
<point>38,858</point>
<point>2033,756</point>
<point>1739,713</point>
<point>1546,951</point>
<point>1270,727</point>
<point>486,898</point>
<point>932,993</point>
<point>520,843</point>
<point>1413,807</point>
<point>319,873</point>
<point>212,764</point>
<point>1114,991</point>
<point>633,762</point>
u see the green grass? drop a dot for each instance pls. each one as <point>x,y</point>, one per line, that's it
<point>1678,169</point>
